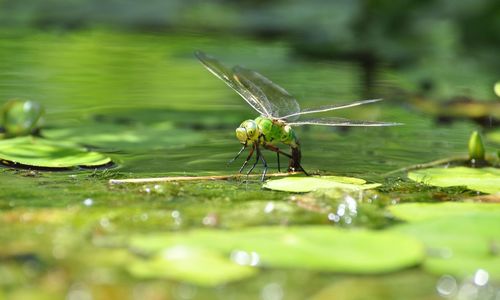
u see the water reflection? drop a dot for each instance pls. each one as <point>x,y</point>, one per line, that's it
<point>475,287</point>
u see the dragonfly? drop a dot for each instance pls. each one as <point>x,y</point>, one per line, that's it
<point>279,113</point>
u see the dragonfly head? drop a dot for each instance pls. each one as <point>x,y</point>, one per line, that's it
<point>248,132</point>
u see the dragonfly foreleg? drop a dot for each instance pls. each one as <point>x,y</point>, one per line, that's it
<point>257,158</point>
<point>259,154</point>
<point>237,155</point>
<point>248,158</point>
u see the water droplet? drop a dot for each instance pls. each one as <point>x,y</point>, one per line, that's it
<point>333,217</point>
<point>269,207</point>
<point>88,202</point>
<point>481,277</point>
<point>446,286</point>
<point>245,258</point>
<point>341,210</point>
<point>210,219</point>
<point>105,223</point>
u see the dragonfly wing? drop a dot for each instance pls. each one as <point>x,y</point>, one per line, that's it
<point>329,108</point>
<point>280,103</point>
<point>341,122</point>
<point>253,97</point>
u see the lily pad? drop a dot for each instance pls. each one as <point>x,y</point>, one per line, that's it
<point>319,248</point>
<point>494,136</point>
<point>309,184</point>
<point>486,180</point>
<point>45,153</point>
<point>460,237</point>
<point>194,265</point>
<point>423,211</point>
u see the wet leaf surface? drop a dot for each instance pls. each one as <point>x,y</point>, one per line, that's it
<point>309,184</point>
<point>460,237</point>
<point>319,248</point>
<point>38,152</point>
<point>197,266</point>
<point>486,180</point>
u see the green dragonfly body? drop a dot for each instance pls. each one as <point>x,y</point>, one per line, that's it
<point>278,111</point>
<point>266,132</point>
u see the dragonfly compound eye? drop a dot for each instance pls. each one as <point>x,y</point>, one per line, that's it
<point>241,135</point>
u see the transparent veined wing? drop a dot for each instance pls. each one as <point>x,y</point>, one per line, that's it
<point>341,122</point>
<point>246,89</point>
<point>280,102</point>
<point>328,108</point>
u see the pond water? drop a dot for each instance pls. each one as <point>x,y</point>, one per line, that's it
<point>144,100</point>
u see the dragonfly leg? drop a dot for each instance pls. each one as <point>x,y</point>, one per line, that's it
<point>257,158</point>
<point>237,155</point>
<point>278,152</point>
<point>247,159</point>
<point>264,163</point>
<point>278,158</point>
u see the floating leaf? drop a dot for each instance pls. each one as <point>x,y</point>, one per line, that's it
<point>423,211</point>
<point>494,136</point>
<point>459,244</point>
<point>486,180</point>
<point>309,184</point>
<point>44,153</point>
<point>319,248</point>
<point>460,237</point>
<point>197,266</point>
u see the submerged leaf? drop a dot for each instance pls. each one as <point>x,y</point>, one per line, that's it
<point>193,265</point>
<point>486,180</point>
<point>319,248</point>
<point>309,184</point>
<point>44,153</point>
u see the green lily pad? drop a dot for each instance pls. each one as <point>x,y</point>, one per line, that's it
<point>486,180</point>
<point>423,211</point>
<point>309,184</point>
<point>44,153</point>
<point>319,248</point>
<point>494,136</point>
<point>194,265</point>
<point>460,237</point>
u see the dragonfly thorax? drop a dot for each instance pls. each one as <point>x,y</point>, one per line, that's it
<point>264,130</point>
<point>248,132</point>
